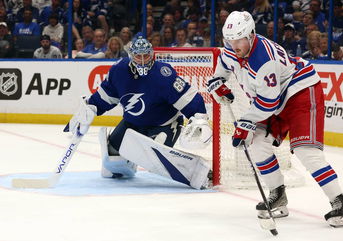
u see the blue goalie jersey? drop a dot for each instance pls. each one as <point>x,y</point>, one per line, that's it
<point>152,100</point>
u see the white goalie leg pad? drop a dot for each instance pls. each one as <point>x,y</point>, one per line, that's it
<point>114,165</point>
<point>157,158</point>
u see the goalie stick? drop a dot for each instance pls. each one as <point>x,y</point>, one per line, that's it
<point>265,223</point>
<point>53,179</point>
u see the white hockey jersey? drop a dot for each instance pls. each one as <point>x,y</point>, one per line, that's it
<point>268,76</point>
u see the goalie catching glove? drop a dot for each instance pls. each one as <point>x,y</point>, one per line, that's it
<point>220,92</point>
<point>197,134</point>
<point>82,119</point>
<point>243,133</point>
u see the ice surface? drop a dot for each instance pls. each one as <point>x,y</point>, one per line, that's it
<point>86,207</point>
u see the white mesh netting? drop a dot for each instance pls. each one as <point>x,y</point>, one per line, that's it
<point>196,66</point>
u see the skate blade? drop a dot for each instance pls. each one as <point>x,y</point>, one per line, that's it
<point>336,221</point>
<point>279,212</point>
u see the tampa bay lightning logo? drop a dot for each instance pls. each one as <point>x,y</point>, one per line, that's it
<point>133,103</point>
<point>166,71</point>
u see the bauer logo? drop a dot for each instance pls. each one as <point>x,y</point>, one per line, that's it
<point>10,84</point>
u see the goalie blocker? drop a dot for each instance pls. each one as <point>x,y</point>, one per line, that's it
<point>157,158</point>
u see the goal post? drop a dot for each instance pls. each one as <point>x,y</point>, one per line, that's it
<point>230,166</point>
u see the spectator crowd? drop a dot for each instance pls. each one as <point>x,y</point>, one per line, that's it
<point>104,28</point>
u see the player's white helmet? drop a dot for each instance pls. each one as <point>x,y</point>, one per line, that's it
<point>141,54</point>
<point>238,25</point>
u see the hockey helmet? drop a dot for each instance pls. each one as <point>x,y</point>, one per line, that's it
<point>141,54</point>
<point>238,25</point>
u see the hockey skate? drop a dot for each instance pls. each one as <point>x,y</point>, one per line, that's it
<point>335,216</point>
<point>277,201</point>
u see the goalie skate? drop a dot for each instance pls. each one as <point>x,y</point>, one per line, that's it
<point>335,216</point>
<point>277,201</point>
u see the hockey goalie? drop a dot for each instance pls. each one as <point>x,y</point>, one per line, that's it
<point>155,100</point>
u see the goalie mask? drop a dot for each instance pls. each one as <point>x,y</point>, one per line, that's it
<point>141,55</point>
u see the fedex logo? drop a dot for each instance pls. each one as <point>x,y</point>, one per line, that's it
<point>336,89</point>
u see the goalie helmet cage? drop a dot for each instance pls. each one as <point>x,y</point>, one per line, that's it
<point>230,166</point>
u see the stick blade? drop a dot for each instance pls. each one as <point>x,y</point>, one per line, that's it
<point>31,183</point>
<point>268,224</point>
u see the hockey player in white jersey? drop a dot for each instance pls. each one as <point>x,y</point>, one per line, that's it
<point>154,99</point>
<point>286,98</point>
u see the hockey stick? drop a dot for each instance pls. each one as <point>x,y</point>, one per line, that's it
<point>265,223</point>
<point>56,175</point>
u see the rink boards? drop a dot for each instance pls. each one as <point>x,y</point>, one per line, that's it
<point>47,92</point>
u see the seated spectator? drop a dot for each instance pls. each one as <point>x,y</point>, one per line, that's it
<point>55,8</point>
<point>204,33</point>
<point>337,52</point>
<point>96,49</point>
<point>313,45</point>
<point>318,15</point>
<point>191,4</point>
<point>337,21</point>
<point>262,12</point>
<point>178,17</point>
<point>193,16</point>
<point>167,21</point>
<point>54,30</point>
<point>47,51</point>
<point>28,5</point>
<point>115,49</point>
<point>6,42</point>
<point>80,18</point>
<point>170,7</point>
<point>192,29</point>
<point>310,28</point>
<point>27,27</point>
<point>87,35</point>
<point>298,20</point>
<point>98,12</point>
<point>78,46</point>
<point>181,38</point>
<point>306,21</point>
<point>156,40</point>
<point>126,35</point>
<point>289,42</point>
<point>168,37</point>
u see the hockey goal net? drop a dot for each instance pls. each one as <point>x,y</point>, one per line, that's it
<point>230,166</point>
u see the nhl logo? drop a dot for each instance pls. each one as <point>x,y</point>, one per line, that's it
<point>10,84</point>
<point>166,71</point>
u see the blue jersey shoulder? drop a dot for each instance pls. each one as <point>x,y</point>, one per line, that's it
<point>262,53</point>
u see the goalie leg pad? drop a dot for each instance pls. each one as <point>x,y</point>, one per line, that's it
<point>114,166</point>
<point>180,166</point>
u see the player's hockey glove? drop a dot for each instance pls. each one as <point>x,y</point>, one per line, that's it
<point>243,133</point>
<point>220,92</point>
<point>82,119</point>
<point>197,134</point>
